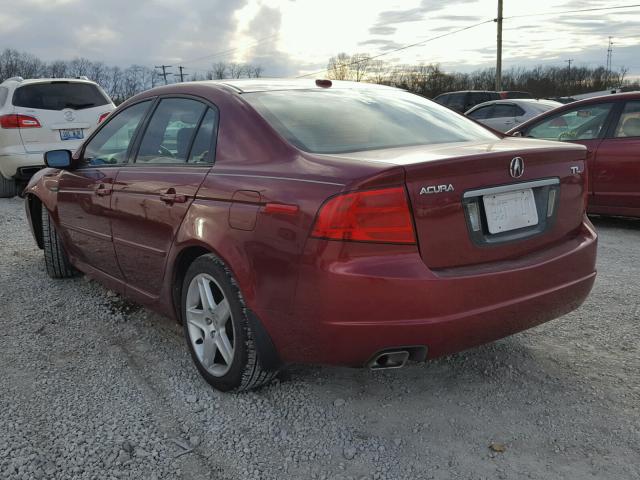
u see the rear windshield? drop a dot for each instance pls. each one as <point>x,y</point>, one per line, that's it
<point>58,96</point>
<point>340,121</point>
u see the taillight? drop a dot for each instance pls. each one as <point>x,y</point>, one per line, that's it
<point>18,121</point>
<point>380,215</point>
<point>102,117</point>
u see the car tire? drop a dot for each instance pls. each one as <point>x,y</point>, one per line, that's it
<point>55,257</point>
<point>217,329</point>
<point>7,187</point>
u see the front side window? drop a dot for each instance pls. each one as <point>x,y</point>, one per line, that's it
<point>629,124</point>
<point>346,120</point>
<point>171,129</point>
<point>482,113</point>
<point>111,143</point>
<point>59,95</point>
<point>581,123</point>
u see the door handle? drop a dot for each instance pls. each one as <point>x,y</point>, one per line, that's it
<point>170,197</point>
<point>103,191</point>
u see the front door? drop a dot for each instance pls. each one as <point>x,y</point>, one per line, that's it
<point>153,193</point>
<point>84,194</point>
<point>616,171</point>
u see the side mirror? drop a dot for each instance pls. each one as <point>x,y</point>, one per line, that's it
<point>517,134</point>
<point>57,158</point>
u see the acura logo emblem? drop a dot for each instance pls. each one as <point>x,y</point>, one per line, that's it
<point>516,169</point>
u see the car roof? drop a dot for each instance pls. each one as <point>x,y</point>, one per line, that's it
<point>31,81</point>
<point>605,98</point>
<point>275,84</point>
<point>517,101</point>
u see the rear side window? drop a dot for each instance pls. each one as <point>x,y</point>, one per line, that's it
<point>340,121</point>
<point>4,91</point>
<point>58,96</point>
<point>502,110</point>
<point>202,148</point>
<point>171,129</point>
<point>457,101</point>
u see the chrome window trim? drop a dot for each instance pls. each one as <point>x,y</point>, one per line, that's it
<point>511,187</point>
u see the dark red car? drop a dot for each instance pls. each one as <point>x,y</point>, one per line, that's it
<point>609,127</point>
<point>301,221</point>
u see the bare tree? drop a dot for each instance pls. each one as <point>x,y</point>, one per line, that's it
<point>338,67</point>
<point>219,70</point>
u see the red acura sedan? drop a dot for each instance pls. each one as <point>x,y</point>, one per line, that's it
<point>609,127</point>
<point>315,221</point>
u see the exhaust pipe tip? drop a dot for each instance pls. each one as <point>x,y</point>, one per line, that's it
<point>388,360</point>
<point>397,357</point>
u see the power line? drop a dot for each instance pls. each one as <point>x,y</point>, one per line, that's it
<point>231,50</point>
<point>402,48</point>
<point>600,9</point>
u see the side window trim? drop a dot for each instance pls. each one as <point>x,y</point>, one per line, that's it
<point>195,133</point>
<point>613,119</point>
<point>133,154</point>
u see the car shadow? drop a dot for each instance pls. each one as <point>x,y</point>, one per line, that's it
<point>627,223</point>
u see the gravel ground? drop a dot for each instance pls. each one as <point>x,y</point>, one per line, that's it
<point>94,387</point>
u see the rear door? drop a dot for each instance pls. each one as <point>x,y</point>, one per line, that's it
<point>153,193</point>
<point>84,194</point>
<point>67,111</point>
<point>616,170</point>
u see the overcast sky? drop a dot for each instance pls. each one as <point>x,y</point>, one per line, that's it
<point>291,37</point>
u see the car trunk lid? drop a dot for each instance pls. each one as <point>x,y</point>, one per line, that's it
<point>449,184</point>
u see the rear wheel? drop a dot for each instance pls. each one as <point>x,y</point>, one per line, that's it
<point>7,187</point>
<point>217,330</point>
<point>55,257</point>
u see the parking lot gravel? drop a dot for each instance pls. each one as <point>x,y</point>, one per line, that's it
<point>93,387</point>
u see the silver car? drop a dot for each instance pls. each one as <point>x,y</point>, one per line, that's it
<point>503,115</point>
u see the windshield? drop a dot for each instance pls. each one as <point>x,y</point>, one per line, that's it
<point>340,121</point>
<point>59,95</point>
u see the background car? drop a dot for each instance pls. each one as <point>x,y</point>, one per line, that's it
<point>40,115</point>
<point>503,115</point>
<point>609,127</point>
<point>343,223</point>
<point>463,100</point>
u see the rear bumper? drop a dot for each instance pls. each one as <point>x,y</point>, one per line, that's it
<point>20,165</point>
<point>351,303</point>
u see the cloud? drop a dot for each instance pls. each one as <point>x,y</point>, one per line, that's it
<point>382,44</point>
<point>122,31</point>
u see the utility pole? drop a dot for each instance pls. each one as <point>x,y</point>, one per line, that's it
<point>164,71</point>
<point>569,62</point>
<point>181,75</point>
<point>609,59</point>
<point>499,56</point>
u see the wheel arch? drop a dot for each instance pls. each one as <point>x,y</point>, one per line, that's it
<point>266,348</point>
<point>34,207</point>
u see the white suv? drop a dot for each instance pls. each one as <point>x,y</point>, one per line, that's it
<point>41,115</point>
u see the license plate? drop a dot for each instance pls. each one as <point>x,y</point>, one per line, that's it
<point>510,211</point>
<point>71,134</point>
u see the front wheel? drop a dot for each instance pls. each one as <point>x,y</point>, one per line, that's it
<point>217,330</point>
<point>55,257</point>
